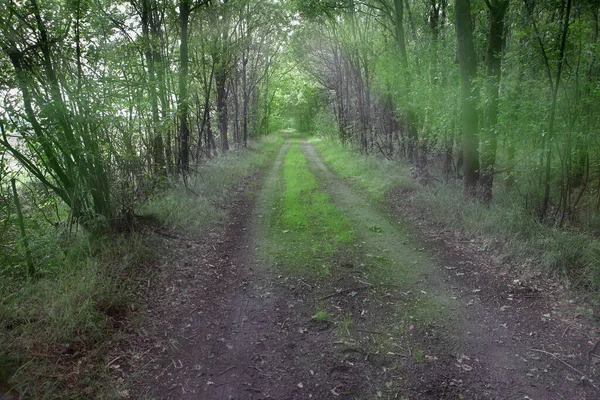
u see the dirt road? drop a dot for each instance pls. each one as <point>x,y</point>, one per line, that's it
<point>406,313</point>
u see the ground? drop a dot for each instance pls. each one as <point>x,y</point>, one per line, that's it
<point>399,309</point>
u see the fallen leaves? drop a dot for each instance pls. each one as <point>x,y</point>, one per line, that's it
<point>460,363</point>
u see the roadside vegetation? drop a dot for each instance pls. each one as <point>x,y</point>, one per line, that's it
<point>492,99</point>
<point>201,202</point>
<point>117,119</point>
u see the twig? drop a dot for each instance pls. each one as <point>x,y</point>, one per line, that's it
<point>343,292</point>
<point>282,326</point>
<point>226,371</point>
<point>567,364</point>
<point>592,353</point>
<point>186,186</point>
<point>167,235</point>
<point>372,332</point>
<point>43,355</point>
<point>191,337</point>
<point>567,328</point>
<point>304,283</point>
<point>109,364</point>
<point>264,374</point>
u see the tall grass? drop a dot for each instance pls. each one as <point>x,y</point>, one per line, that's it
<point>373,176</point>
<point>64,318</point>
<point>200,203</point>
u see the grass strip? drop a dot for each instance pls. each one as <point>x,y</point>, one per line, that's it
<point>200,206</point>
<point>373,176</point>
<point>308,229</point>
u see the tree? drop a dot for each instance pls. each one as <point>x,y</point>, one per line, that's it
<point>497,12</point>
<point>185,8</point>
<point>469,96</point>
<point>67,152</point>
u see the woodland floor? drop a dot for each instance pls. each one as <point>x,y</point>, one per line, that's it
<point>224,321</point>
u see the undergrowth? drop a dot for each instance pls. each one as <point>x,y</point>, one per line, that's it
<point>573,256</point>
<point>200,203</point>
<point>306,215</point>
<point>513,232</point>
<point>55,329</point>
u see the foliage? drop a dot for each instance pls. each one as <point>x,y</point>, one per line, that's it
<point>372,176</point>
<point>390,79</point>
<point>86,284</point>
<point>96,130</point>
<point>71,310</point>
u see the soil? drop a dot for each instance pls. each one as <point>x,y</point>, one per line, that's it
<point>220,321</point>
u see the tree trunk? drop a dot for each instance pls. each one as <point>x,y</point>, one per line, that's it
<point>245,99</point>
<point>399,31</point>
<point>159,67</point>
<point>236,116</point>
<point>497,12</point>
<point>156,139</point>
<point>469,96</point>
<point>221,83</point>
<point>548,155</point>
<point>184,130</point>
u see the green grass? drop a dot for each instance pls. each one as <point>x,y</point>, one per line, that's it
<point>346,326</point>
<point>372,175</point>
<point>321,316</point>
<point>516,235</point>
<point>307,228</point>
<point>69,315</point>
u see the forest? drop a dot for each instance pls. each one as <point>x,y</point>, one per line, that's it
<point>126,124</point>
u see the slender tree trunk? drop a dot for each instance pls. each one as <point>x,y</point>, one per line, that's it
<point>156,138</point>
<point>548,155</point>
<point>497,11</point>
<point>469,96</point>
<point>159,66</point>
<point>21,223</point>
<point>221,83</point>
<point>183,109</point>
<point>236,103</point>
<point>245,99</point>
<point>206,114</point>
<point>211,139</point>
<point>412,137</point>
<point>399,31</point>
